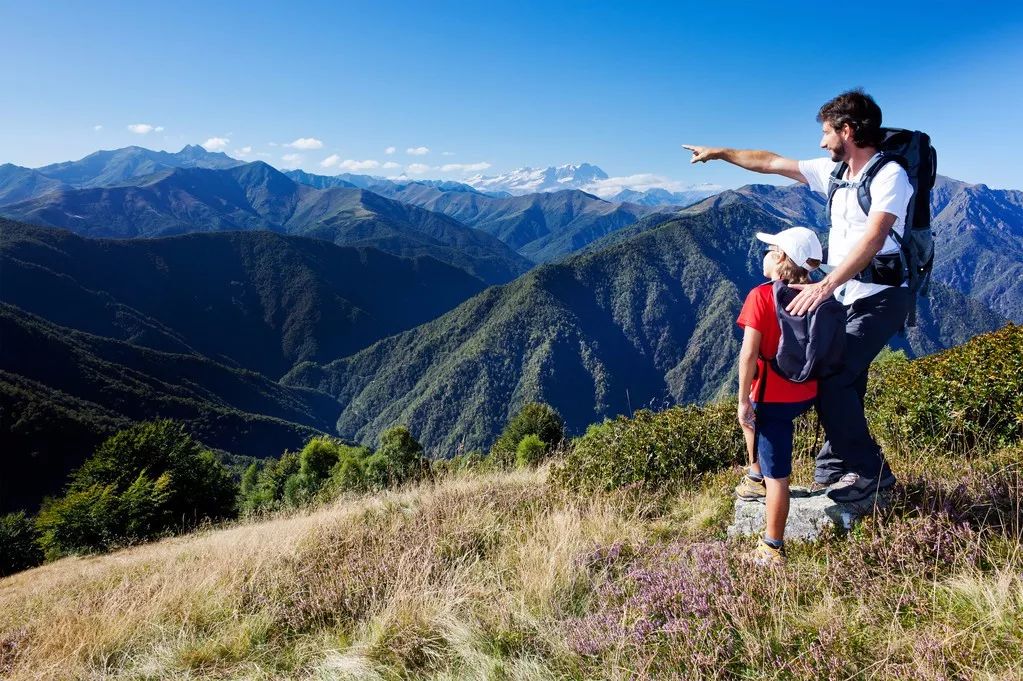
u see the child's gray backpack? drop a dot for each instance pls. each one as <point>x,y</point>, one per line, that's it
<point>811,345</point>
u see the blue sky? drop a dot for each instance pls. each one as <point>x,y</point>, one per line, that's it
<point>621,85</point>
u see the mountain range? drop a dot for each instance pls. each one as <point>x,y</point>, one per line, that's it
<point>419,218</point>
<point>256,196</point>
<point>588,178</point>
<point>384,315</point>
<point>646,320</point>
<point>255,300</point>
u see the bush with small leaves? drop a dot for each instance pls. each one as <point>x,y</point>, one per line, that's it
<point>19,548</point>
<point>530,452</point>
<point>653,449</point>
<point>534,418</point>
<point>144,481</point>
<point>968,398</point>
<point>398,460</point>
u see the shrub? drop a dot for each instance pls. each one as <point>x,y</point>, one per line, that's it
<point>19,549</point>
<point>349,473</point>
<point>530,452</point>
<point>967,398</point>
<point>474,460</point>
<point>315,462</point>
<point>398,460</point>
<point>144,481</point>
<point>653,449</point>
<point>268,491</point>
<point>533,419</point>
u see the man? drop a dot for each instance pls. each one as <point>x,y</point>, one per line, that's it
<point>850,465</point>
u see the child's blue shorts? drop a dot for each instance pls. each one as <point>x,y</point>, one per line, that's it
<point>773,434</point>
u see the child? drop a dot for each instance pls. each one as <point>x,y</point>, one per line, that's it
<point>766,412</point>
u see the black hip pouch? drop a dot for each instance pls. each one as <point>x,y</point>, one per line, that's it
<point>887,270</point>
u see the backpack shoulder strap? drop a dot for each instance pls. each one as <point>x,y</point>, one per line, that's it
<point>869,173</point>
<point>834,182</point>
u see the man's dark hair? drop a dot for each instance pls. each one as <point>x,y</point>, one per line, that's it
<point>860,111</point>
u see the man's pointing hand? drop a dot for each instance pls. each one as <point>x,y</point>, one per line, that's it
<point>700,154</point>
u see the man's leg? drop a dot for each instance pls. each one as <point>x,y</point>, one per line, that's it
<point>870,325</point>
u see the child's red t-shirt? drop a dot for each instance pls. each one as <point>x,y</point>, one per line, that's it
<point>758,312</point>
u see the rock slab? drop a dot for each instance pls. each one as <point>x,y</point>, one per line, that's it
<point>809,516</point>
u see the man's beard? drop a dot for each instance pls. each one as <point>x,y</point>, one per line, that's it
<point>837,156</point>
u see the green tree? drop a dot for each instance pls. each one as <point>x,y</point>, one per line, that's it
<point>399,459</point>
<point>81,521</point>
<point>146,480</point>
<point>350,472</point>
<point>268,491</point>
<point>19,548</point>
<point>534,418</point>
<point>530,452</point>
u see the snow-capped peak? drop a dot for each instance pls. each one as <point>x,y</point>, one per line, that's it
<point>532,180</point>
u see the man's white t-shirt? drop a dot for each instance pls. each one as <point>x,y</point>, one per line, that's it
<point>890,192</point>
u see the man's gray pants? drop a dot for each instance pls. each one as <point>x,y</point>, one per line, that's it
<point>870,324</point>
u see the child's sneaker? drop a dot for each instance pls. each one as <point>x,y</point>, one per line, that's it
<point>750,489</point>
<point>766,555</point>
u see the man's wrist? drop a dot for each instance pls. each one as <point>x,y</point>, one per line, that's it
<point>828,284</point>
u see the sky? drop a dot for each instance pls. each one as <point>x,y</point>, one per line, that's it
<point>451,89</point>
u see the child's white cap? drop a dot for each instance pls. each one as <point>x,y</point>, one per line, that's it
<point>799,243</point>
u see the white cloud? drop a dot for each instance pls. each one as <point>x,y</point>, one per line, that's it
<point>97,128</point>
<point>144,128</point>
<point>305,143</point>
<point>641,182</point>
<point>292,161</point>
<point>390,150</point>
<point>390,165</point>
<point>447,153</point>
<point>354,166</point>
<point>273,144</point>
<point>464,167</point>
<point>417,151</point>
<point>243,152</point>
<point>216,144</point>
<point>330,161</point>
<point>418,168</point>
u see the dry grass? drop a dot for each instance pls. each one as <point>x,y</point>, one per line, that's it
<point>490,577</point>
<point>446,575</point>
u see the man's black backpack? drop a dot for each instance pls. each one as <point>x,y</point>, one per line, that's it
<point>913,151</point>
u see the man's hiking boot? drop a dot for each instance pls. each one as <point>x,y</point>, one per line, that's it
<point>854,487</point>
<point>766,555</point>
<point>749,489</point>
<point>814,488</point>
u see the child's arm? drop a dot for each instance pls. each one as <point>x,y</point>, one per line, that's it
<point>747,367</point>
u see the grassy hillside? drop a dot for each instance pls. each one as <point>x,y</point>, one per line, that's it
<point>498,577</point>
<point>512,575</point>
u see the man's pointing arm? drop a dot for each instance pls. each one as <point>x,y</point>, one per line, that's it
<point>757,161</point>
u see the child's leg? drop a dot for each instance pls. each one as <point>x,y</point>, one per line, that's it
<point>777,508</point>
<point>774,447</point>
